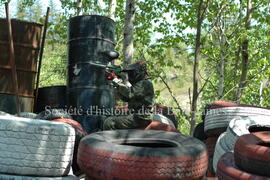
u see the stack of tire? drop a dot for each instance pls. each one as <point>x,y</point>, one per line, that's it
<point>250,159</point>
<point>210,136</point>
<point>216,118</point>
<point>210,143</point>
<point>142,155</point>
<point>33,149</point>
<point>58,115</point>
<point>242,120</point>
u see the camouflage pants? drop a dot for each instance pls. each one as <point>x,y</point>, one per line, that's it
<point>127,122</point>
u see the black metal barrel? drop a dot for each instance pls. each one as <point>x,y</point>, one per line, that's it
<point>88,90</point>
<point>52,97</point>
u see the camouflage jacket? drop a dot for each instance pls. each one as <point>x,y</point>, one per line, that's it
<point>139,96</point>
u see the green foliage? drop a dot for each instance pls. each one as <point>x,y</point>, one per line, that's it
<point>24,3</point>
<point>4,1</point>
<point>53,71</point>
<point>235,33</point>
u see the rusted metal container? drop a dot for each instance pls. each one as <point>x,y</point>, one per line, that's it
<point>26,37</point>
<point>89,37</point>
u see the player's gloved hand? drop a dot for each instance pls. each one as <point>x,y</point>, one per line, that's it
<point>116,82</point>
<point>110,75</point>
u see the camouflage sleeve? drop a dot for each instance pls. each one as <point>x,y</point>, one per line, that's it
<point>136,91</point>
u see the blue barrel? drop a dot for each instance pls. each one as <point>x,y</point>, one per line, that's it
<point>87,89</point>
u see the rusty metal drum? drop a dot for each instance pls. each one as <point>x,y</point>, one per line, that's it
<point>26,37</point>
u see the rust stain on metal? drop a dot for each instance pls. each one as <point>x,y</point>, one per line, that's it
<point>26,37</point>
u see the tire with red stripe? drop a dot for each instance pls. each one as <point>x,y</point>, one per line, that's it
<point>222,104</point>
<point>142,155</point>
<point>210,145</point>
<point>216,105</point>
<point>252,153</point>
<point>167,112</point>
<point>51,114</point>
<point>227,170</point>
<point>161,126</point>
<point>77,126</point>
<point>80,133</point>
<point>220,149</point>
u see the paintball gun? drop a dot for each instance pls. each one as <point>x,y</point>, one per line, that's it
<point>111,71</point>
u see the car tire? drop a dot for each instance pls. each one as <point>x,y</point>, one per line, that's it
<point>220,149</point>
<point>238,127</point>
<point>162,119</point>
<point>252,153</point>
<point>5,114</point>
<point>167,112</point>
<point>13,177</point>
<point>217,120</point>
<point>51,114</point>
<point>35,147</point>
<point>245,125</point>
<point>80,133</point>
<point>199,132</point>
<point>144,155</point>
<point>28,115</point>
<point>77,126</point>
<point>210,144</point>
<point>227,170</point>
<point>161,126</point>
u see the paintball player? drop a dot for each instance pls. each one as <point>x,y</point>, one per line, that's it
<point>140,97</point>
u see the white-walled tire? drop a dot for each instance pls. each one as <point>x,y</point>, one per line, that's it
<point>2,113</point>
<point>241,126</point>
<point>238,127</point>
<point>35,147</point>
<point>217,120</point>
<point>27,115</point>
<point>13,177</point>
<point>220,149</point>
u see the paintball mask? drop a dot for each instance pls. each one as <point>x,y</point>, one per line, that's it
<point>136,72</point>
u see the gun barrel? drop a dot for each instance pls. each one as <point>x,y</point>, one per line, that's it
<point>97,64</point>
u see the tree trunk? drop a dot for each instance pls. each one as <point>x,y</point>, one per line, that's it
<point>245,59</point>
<point>237,57</point>
<point>237,53</point>
<point>221,70</point>
<point>128,31</point>
<point>112,8</point>
<point>79,7</point>
<point>196,67</point>
<point>221,65</point>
